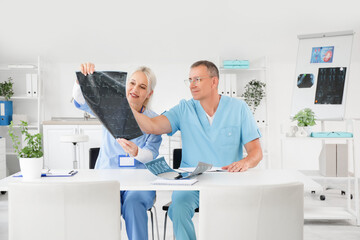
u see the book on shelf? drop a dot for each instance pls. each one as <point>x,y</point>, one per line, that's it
<point>235,67</point>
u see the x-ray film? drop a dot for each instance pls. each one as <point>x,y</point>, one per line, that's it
<point>160,168</point>
<point>305,80</point>
<point>105,93</point>
<point>330,85</point>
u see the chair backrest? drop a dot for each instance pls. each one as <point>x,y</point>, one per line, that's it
<point>252,212</point>
<point>59,211</point>
<point>176,158</point>
<point>93,155</point>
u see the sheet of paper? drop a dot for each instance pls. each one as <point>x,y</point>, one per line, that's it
<point>186,181</point>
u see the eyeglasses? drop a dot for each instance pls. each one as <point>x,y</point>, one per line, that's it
<point>195,80</point>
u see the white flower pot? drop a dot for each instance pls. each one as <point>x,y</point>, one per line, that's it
<point>308,130</point>
<point>301,132</point>
<point>31,168</point>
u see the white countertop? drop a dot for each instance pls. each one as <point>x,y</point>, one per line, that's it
<point>72,121</point>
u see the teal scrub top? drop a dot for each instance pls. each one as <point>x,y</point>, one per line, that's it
<point>219,144</point>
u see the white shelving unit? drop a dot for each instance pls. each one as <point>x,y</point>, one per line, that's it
<point>258,70</point>
<point>31,106</point>
<point>335,213</point>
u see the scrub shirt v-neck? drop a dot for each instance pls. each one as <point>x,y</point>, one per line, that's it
<point>220,143</point>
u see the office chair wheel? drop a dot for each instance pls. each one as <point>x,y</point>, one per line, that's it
<point>344,193</point>
<point>3,192</point>
<point>322,197</point>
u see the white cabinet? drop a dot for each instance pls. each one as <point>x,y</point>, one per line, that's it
<point>232,83</point>
<point>60,155</point>
<point>27,98</point>
<point>2,158</point>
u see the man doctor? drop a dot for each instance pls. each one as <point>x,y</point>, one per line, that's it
<point>214,128</point>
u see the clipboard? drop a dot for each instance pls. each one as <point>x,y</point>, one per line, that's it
<point>54,173</point>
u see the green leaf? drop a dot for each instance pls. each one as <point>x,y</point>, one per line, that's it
<point>6,89</point>
<point>33,147</point>
<point>254,93</point>
<point>305,117</point>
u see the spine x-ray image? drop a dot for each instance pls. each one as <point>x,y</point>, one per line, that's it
<point>330,85</point>
<point>105,93</point>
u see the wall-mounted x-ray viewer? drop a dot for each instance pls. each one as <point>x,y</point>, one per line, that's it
<point>321,83</point>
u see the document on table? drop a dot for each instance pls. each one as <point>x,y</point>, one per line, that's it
<point>54,173</point>
<point>59,173</point>
<point>216,169</point>
<point>183,181</point>
<point>160,168</point>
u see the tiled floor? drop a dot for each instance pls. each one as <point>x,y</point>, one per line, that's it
<point>313,230</point>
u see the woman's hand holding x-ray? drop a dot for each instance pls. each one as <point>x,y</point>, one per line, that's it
<point>87,68</point>
<point>128,146</point>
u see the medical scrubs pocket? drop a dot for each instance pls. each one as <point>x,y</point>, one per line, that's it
<point>229,136</point>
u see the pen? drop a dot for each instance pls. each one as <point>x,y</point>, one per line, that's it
<point>179,176</point>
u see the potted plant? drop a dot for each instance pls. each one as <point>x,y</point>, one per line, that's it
<point>305,119</point>
<point>254,93</point>
<point>7,92</point>
<point>30,155</point>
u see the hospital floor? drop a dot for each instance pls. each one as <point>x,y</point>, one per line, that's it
<point>313,230</point>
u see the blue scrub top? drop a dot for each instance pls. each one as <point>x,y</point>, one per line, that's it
<point>219,144</point>
<point>110,149</point>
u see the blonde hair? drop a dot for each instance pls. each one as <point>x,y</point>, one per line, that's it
<point>150,75</point>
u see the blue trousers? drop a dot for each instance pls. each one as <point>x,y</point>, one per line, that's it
<point>134,206</point>
<point>181,211</point>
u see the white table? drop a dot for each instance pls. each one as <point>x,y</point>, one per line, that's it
<point>140,179</point>
<point>131,179</point>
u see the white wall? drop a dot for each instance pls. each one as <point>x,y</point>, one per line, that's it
<point>169,36</point>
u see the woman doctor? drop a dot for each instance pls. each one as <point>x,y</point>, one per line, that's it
<point>134,204</point>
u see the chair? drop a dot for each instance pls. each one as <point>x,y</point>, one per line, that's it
<point>64,211</point>
<point>75,139</point>
<point>176,164</point>
<point>93,155</point>
<point>252,212</point>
